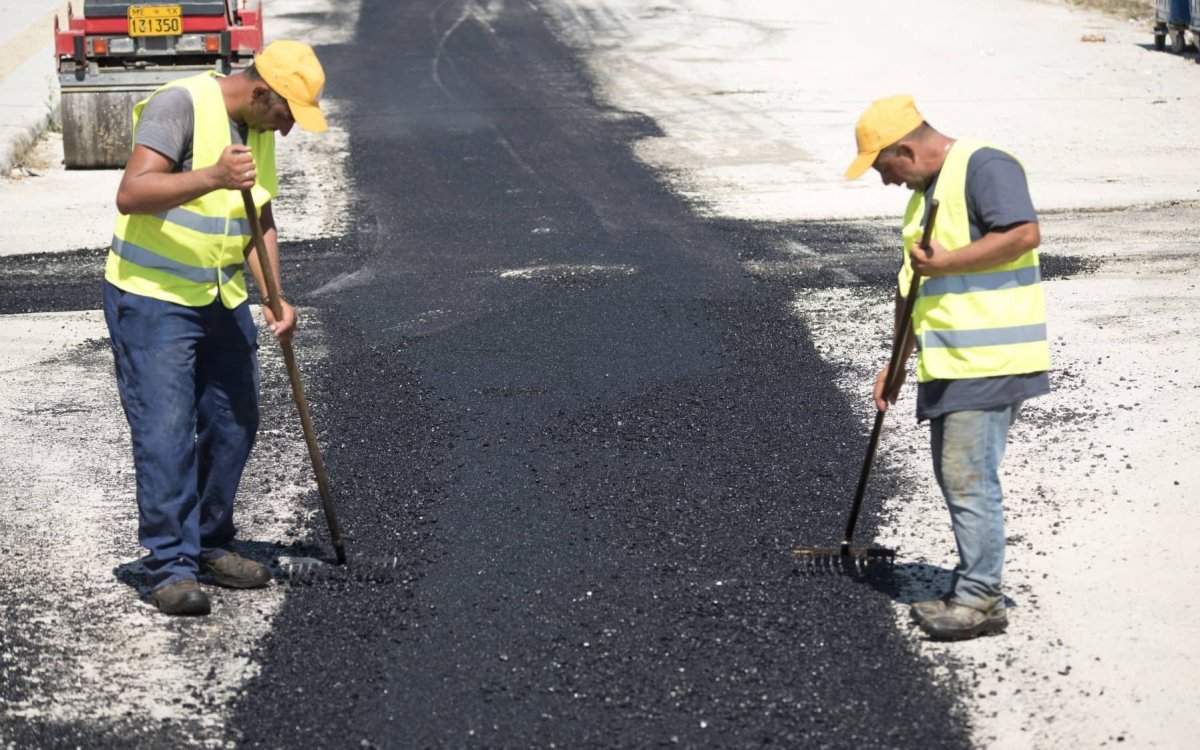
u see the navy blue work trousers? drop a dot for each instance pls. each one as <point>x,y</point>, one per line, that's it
<point>188,379</point>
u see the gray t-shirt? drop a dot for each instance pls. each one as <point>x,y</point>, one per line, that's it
<point>167,124</point>
<point>997,198</point>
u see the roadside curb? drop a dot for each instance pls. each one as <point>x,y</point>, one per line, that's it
<point>29,93</point>
<point>30,106</point>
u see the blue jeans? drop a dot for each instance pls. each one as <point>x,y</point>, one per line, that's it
<point>188,380</point>
<point>968,447</point>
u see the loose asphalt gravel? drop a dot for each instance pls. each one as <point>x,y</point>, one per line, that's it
<point>590,436</point>
<point>593,470</point>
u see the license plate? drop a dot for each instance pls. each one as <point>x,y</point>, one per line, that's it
<point>155,20</point>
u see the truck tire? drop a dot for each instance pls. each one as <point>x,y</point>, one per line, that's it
<point>1178,41</point>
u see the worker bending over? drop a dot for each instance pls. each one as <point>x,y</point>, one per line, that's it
<point>175,303</point>
<point>979,323</point>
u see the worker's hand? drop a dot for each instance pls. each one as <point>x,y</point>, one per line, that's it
<point>935,262</point>
<point>283,329</point>
<point>882,400</point>
<point>235,169</point>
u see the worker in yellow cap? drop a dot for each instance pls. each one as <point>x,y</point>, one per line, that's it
<point>979,323</point>
<point>175,301</point>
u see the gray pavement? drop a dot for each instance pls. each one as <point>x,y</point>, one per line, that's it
<point>28,86</point>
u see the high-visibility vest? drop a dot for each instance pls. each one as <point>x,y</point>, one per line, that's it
<point>193,254</point>
<point>972,325</point>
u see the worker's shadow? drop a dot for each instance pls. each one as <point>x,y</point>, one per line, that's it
<point>907,583</point>
<point>133,574</point>
<point>910,582</point>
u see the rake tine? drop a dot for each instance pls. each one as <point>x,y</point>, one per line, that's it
<point>308,571</point>
<point>848,561</point>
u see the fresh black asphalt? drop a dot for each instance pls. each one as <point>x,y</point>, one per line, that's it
<point>592,473</point>
<point>592,477</point>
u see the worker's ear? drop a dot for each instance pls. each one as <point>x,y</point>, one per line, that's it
<point>261,94</point>
<point>906,151</point>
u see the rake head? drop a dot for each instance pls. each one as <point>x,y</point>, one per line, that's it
<point>845,559</point>
<point>309,571</point>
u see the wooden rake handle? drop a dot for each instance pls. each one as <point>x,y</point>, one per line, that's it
<point>895,368</point>
<point>905,329</point>
<point>289,357</point>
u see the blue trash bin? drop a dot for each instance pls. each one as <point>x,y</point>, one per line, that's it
<point>1172,18</point>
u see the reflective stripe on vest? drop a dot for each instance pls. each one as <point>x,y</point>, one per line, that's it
<point>972,325</point>
<point>148,259</point>
<point>206,224</point>
<point>989,281</point>
<point>984,337</point>
<point>194,253</point>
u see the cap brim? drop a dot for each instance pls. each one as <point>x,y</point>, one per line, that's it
<point>860,165</point>
<point>308,117</point>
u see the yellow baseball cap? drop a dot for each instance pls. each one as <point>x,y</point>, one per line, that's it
<point>885,122</point>
<point>292,70</point>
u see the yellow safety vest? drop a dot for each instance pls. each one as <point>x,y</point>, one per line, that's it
<point>193,254</point>
<point>972,325</point>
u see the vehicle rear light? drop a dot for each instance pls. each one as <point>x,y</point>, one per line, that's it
<point>99,46</point>
<point>212,43</point>
<point>190,43</point>
<point>121,45</point>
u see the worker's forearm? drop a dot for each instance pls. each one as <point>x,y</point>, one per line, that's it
<point>993,249</point>
<point>155,192</point>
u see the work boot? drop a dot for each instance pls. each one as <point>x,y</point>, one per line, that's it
<point>236,572</point>
<point>920,611</point>
<point>958,622</point>
<point>181,598</point>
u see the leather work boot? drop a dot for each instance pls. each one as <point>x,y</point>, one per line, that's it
<point>919,611</point>
<point>958,622</point>
<point>236,572</point>
<point>181,598</point>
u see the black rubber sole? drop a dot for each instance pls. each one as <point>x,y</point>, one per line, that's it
<point>192,606</point>
<point>982,629</point>
<point>212,576</point>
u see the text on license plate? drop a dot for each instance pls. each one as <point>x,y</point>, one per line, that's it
<point>155,20</point>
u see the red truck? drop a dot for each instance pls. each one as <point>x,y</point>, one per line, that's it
<point>117,52</point>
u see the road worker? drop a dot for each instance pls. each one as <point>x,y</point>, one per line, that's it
<point>175,301</point>
<point>979,324</point>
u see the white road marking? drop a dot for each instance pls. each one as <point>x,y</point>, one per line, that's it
<point>342,282</point>
<point>845,275</point>
<point>566,269</point>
